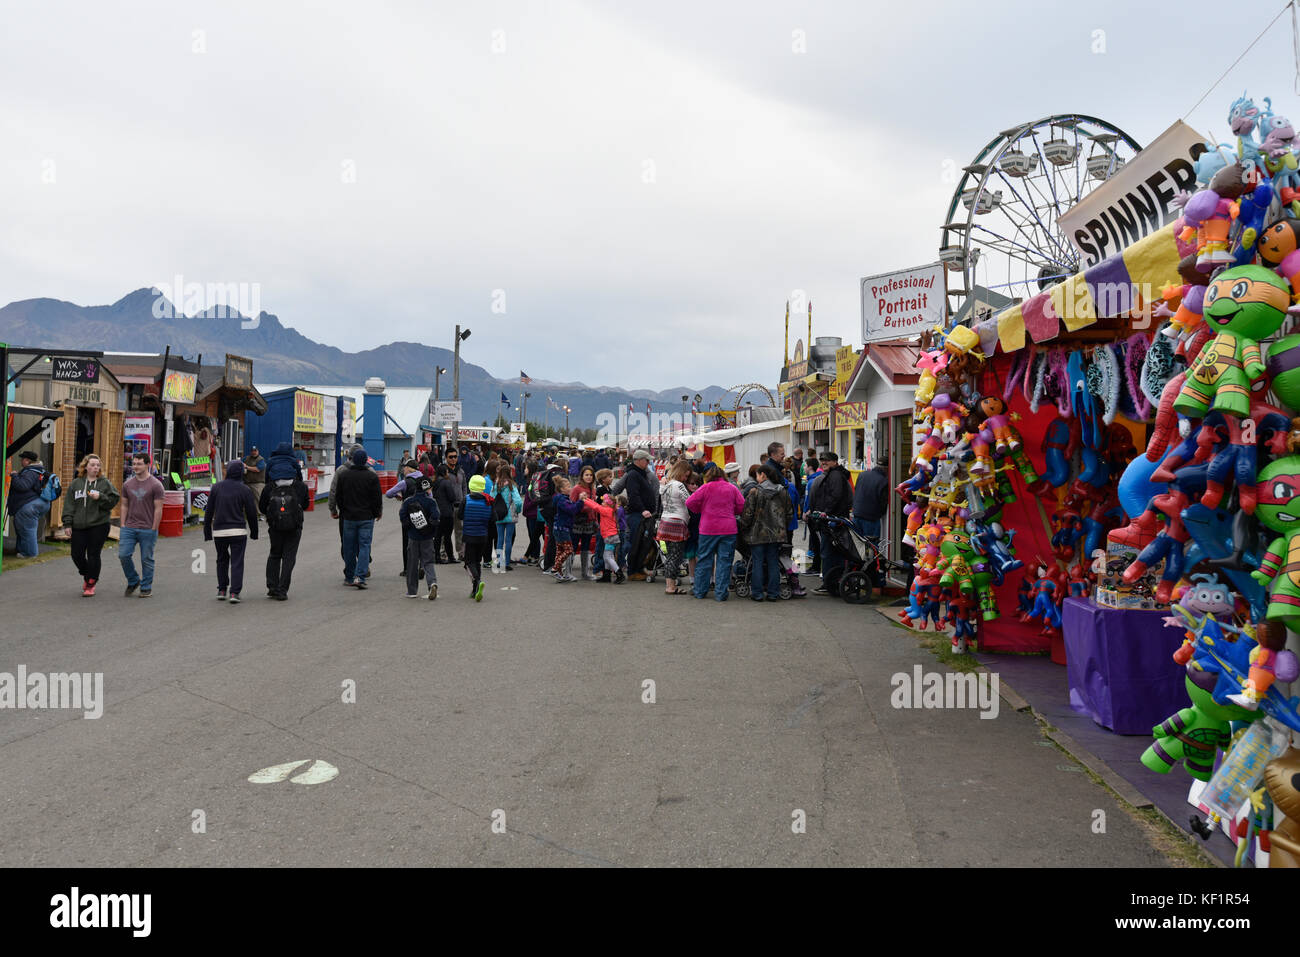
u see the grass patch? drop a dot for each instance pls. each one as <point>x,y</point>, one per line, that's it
<point>56,551</point>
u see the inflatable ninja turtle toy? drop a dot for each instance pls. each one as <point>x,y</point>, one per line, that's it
<point>1242,306</point>
<point>1279,509</point>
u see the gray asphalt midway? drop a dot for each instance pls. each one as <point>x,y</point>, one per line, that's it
<point>529,703</point>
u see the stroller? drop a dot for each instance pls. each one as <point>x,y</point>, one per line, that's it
<point>743,568</point>
<point>644,554</point>
<point>852,581</point>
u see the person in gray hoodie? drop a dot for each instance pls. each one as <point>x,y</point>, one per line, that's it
<point>763,522</point>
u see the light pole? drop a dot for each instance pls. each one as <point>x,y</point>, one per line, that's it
<point>684,400</point>
<point>567,410</point>
<point>523,413</point>
<point>455,382</point>
<point>437,381</point>
<point>695,425</point>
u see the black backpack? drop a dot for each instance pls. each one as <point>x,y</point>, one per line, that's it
<point>283,510</point>
<point>418,516</point>
<point>500,510</point>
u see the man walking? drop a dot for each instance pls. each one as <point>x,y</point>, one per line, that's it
<point>460,485</point>
<point>25,503</point>
<point>142,508</point>
<point>255,472</point>
<point>284,503</point>
<point>361,504</point>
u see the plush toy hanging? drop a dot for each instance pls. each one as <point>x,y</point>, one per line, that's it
<point>1103,381</point>
<point>1158,368</point>
<point>1135,354</point>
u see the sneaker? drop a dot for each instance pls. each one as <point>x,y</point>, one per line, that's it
<point>349,582</point>
<point>478,592</point>
<point>821,590</point>
<point>772,598</point>
<point>281,596</point>
<point>565,579</point>
<point>510,568</point>
<point>146,592</point>
<point>402,573</point>
<point>361,584</point>
<point>433,592</point>
<point>221,594</point>
<point>90,588</point>
<point>234,599</point>
<point>413,595</point>
<point>620,578</point>
<point>130,590</point>
<point>270,593</point>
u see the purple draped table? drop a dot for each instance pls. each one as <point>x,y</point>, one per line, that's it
<point>1119,663</point>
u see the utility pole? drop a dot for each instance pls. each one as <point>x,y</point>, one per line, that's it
<point>455,388</point>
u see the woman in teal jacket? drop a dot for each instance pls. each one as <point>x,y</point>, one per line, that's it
<point>507,493</point>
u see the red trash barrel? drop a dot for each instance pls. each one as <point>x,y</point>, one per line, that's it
<point>313,483</point>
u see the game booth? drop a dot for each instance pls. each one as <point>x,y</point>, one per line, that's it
<point>1108,473</point>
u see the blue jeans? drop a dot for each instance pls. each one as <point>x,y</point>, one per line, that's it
<point>146,538</point>
<point>634,520</point>
<point>356,548</point>
<point>765,570</point>
<point>719,547</point>
<point>26,521</point>
<point>506,540</point>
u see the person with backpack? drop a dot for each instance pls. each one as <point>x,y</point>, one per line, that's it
<point>87,507</point>
<point>401,490</point>
<point>420,521</point>
<point>29,491</point>
<point>506,507</point>
<point>476,529</point>
<point>230,515</point>
<point>284,503</point>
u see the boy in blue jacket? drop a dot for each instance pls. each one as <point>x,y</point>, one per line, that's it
<point>420,519</point>
<point>476,532</point>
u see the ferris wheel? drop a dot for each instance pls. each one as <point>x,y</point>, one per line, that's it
<point>1001,231</point>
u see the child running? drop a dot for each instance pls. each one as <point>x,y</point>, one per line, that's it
<point>476,529</point>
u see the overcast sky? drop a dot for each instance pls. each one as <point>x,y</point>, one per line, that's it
<point>647,188</point>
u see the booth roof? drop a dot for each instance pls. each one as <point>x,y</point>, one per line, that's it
<point>1116,286</point>
<point>728,435</point>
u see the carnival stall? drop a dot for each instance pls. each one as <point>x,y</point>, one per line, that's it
<point>1109,470</point>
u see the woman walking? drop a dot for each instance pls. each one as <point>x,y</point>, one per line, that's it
<point>232,512</point>
<point>717,502</point>
<point>507,496</point>
<point>767,512</point>
<point>87,505</point>
<point>674,523</point>
<point>532,555</point>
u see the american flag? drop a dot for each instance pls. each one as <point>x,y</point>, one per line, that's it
<point>523,378</point>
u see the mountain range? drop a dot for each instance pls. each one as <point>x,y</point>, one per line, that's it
<point>282,354</point>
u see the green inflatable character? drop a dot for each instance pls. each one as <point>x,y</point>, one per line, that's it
<point>1243,306</point>
<point>1278,507</point>
<point>1284,371</point>
<point>1194,734</point>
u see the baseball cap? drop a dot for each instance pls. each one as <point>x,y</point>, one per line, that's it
<point>29,456</point>
<point>640,454</point>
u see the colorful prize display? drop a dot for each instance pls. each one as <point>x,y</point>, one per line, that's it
<point>1169,475</point>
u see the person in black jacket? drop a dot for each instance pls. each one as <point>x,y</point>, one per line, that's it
<point>361,504</point>
<point>230,517</point>
<point>446,498</point>
<point>832,494</point>
<point>870,505</point>
<point>642,503</point>
<point>420,520</point>
<point>284,503</point>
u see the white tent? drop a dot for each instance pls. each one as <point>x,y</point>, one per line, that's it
<point>748,441</point>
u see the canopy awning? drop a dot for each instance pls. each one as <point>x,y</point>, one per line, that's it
<point>1116,286</point>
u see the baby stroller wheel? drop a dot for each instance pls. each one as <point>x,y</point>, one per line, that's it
<point>855,588</point>
<point>785,591</point>
<point>740,579</point>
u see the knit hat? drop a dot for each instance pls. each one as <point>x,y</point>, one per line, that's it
<point>477,484</point>
<point>29,456</point>
<point>359,456</point>
<point>235,469</point>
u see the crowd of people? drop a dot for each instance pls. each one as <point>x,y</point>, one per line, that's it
<point>604,516</point>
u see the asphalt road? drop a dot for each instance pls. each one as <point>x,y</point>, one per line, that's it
<point>529,704</point>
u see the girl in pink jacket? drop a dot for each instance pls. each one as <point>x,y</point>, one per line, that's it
<point>718,502</point>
